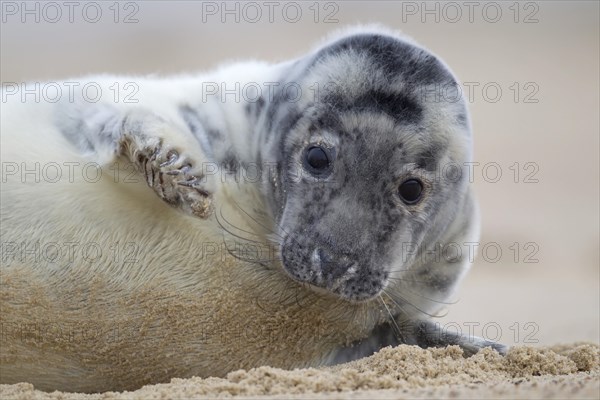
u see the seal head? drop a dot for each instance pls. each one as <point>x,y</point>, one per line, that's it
<point>361,147</point>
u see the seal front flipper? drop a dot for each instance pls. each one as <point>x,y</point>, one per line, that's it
<point>167,157</point>
<point>424,334</point>
<point>429,334</point>
<point>173,175</point>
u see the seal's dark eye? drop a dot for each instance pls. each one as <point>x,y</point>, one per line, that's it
<point>317,158</point>
<point>410,191</point>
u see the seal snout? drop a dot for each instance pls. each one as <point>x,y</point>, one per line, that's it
<point>346,274</point>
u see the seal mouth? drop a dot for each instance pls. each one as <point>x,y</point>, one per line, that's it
<point>339,292</point>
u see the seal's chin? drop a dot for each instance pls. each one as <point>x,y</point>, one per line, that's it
<point>352,298</point>
<point>342,293</point>
<point>349,286</point>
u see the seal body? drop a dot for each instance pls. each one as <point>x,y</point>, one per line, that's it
<point>257,215</point>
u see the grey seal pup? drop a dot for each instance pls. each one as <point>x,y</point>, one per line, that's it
<point>284,214</point>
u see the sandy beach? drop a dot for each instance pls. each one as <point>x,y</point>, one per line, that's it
<point>404,372</point>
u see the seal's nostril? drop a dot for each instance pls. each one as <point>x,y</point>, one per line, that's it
<point>331,265</point>
<point>324,256</point>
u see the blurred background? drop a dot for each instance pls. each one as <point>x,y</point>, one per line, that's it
<point>530,71</point>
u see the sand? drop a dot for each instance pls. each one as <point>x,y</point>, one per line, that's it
<point>567,371</point>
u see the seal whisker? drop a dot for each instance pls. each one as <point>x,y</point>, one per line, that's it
<point>408,303</point>
<point>405,289</point>
<point>232,225</point>
<point>263,262</point>
<point>260,262</point>
<point>352,318</point>
<point>269,230</point>
<point>430,299</point>
<point>279,238</point>
<point>272,220</point>
<point>238,236</point>
<point>394,325</point>
<point>232,233</point>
